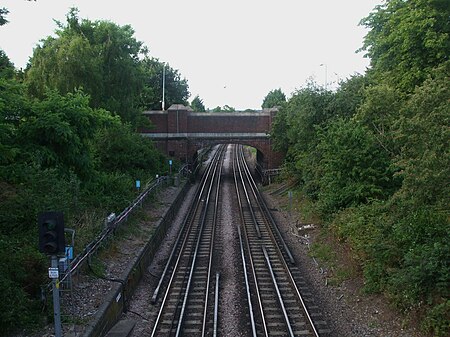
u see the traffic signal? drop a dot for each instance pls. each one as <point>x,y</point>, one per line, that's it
<point>51,233</point>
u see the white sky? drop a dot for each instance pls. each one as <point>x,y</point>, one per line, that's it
<point>230,51</point>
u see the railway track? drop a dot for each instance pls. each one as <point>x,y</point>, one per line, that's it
<point>187,294</point>
<point>274,286</point>
<point>189,302</point>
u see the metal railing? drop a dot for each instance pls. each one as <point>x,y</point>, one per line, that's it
<point>112,225</point>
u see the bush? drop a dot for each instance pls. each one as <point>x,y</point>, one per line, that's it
<point>354,167</point>
<point>437,320</point>
<point>22,272</point>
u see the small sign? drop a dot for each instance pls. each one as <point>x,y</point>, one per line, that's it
<point>138,184</point>
<point>69,252</point>
<point>53,272</point>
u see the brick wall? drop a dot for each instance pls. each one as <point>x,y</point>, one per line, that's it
<point>179,119</point>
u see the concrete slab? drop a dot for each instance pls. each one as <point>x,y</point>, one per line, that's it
<point>123,328</point>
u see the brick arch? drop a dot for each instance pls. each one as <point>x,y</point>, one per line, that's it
<point>179,132</point>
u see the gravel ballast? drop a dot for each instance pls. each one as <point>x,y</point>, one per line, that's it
<point>347,310</point>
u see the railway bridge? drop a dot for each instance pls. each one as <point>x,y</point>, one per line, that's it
<point>180,132</point>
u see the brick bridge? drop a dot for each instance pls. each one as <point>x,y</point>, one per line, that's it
<point>180,133</point>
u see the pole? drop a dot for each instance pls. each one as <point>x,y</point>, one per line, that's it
<point>56,307</point>
<point>163,86</point>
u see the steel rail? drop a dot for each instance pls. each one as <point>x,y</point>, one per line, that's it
<point>280,298</point>
<point>247,284</point>
<point>195,205</point>
<point>252,267</point>
<point>252,212</point>
<point>211,246</point>
<point>182,231</point>
<point>216,305</point>
<point>199,239</point>
<point>285,266</point>
<point>265,209</point>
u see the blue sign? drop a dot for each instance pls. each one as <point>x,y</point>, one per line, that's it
<point>138,183</point>
<point>69,252</point>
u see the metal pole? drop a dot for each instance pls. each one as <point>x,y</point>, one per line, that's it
<point>56,307</point>
<point>164,86</point>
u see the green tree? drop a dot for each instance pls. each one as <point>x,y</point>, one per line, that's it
<point>349,96</point>
<point>274,98</point>
<point>98,56</point>
<point>3,13</point>
<point>119,149</point>
<point>307,109</point>
<point>354,167</point>
<point>407,39</point>
<point>295,131</point>
<point>13,106</point>
<point>225,108</point>
<point>176,89</point>
<point>197,104</point>
<point>6,67</point>
<point>422,131</point>
<point>58,130</point>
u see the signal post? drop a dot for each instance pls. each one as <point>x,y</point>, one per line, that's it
<point>52,243</point>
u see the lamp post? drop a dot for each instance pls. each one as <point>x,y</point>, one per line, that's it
<point>163,86</point>
<point>326,70</point>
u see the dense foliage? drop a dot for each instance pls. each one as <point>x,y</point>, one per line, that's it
<point>274,98</point>
<point>197,104</point>
<point>374,157</point>
<point>225,108</point>
<point>176,89</point>
<point>105,60</point>
<point>67,143</point>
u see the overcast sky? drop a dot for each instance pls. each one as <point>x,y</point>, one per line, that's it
<point>230,51</point>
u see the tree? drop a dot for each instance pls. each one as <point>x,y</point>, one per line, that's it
<point>274,98</point>
<point>225,108</point>
<point>98,56</point>
<point>354,168</point>
<point>57,132</point>
<point>6,67</point>
<point>176,90</point>
<point>197,104</point>
<point>349,96</point>
<point>422,132</point>
<point>3,13</point>
<point>407,39</point>
<point>119,149</point>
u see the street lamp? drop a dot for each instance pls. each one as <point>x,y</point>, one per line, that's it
<point>326,70</point>
<point>163,86</point>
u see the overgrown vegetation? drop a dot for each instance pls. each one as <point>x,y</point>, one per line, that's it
<point>68,143</point>
<point>373,157</point>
